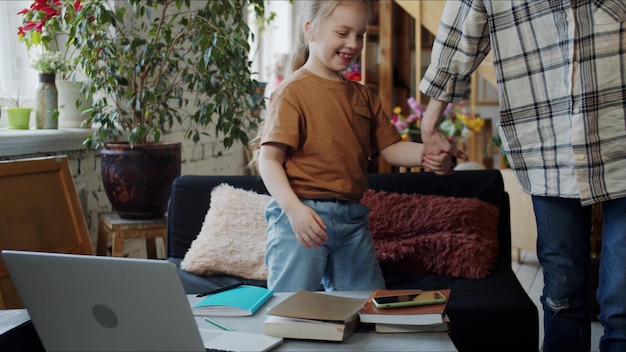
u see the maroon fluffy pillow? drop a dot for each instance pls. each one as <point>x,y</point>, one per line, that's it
<point>424,234</point>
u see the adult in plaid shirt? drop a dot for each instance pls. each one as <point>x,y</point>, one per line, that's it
<point>561,72</point>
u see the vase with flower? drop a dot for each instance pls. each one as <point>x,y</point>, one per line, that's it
<point>48,63</point>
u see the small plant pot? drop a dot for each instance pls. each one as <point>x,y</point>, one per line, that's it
<point>18,118</point>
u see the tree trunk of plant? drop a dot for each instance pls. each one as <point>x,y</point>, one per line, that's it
<point>138,180</point>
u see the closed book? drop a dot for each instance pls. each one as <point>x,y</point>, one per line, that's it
<point>308,329</point>
<point>416,315</point>
<point>240,301</point>
<point>403,328</point>
<point>313,315</point>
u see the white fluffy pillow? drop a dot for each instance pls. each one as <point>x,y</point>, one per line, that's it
<point>232,239</point>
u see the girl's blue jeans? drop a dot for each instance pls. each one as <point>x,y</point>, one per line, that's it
<point>346,262</point>
<point>564,251</point>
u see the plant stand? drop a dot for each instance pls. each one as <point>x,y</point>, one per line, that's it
<point>120,229</point>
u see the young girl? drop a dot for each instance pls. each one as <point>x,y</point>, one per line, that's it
<point>320,131</point>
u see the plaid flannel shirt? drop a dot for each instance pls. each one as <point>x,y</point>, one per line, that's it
<point>561,77</point>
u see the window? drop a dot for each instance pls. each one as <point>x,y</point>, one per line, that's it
<point>15,70</point>
<point>16,73</point>
<point>275,40</point>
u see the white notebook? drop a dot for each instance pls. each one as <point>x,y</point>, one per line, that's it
<point>238,341</point>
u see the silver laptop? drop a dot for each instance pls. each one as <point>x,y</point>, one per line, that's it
<point>92,303</point>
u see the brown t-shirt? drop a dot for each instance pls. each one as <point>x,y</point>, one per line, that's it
<point>330,128</point>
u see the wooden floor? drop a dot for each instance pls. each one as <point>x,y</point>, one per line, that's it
<point>530,275</point>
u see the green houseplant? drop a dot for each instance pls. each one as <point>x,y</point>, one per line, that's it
<point>150,64</point>
<point>18,116</point>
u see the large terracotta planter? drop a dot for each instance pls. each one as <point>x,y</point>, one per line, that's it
<point>138,180</point>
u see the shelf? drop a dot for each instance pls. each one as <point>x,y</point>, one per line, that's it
<point>396,53</point>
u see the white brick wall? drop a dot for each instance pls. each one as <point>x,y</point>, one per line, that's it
<point>208,157</point>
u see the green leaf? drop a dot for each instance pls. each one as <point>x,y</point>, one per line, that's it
<point>183,61</point>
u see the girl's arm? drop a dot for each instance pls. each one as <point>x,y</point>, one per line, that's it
<point>306,224</point>
<point>271,158</point>
<point>411,154</point>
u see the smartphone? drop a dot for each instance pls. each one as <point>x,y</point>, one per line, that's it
<point>414,299</point>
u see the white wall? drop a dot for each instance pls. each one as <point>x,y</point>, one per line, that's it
<point>205,158</point>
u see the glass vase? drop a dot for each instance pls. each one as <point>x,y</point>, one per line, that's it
<point>46,102</point>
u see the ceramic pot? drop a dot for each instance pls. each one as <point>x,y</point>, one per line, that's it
<point>71,116</point>
<point>18,118</point>
<point>138,180</point>
<point>47,101</point>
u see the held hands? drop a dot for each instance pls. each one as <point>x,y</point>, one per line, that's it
<point>438,152</point>
<point>441,164</point>
<point>307,226</point>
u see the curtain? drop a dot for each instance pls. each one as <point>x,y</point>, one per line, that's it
<point>15,70</point>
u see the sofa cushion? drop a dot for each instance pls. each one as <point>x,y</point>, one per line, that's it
<point>427,234</point>
<point>232,238</point>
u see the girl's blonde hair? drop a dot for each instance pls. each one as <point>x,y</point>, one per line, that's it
<point>316,11</point>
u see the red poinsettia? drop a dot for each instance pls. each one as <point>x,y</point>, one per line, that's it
<point>45,19</point>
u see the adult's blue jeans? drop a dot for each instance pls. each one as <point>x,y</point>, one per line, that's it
<point>564,251</point>
<point>346,262</point>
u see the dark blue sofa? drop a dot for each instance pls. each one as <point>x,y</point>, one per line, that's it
<point>489,314</point>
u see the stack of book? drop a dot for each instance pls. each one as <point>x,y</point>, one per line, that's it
<point>313,316</point>
<point>422,318</point>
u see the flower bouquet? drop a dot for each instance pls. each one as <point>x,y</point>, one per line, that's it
<point>457,120</point>
<point>50,62</point>
<point>460,121</point>
<point>409,126</point>
<point>45,25</point>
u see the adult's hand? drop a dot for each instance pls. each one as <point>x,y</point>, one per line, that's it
<point>434,141</point>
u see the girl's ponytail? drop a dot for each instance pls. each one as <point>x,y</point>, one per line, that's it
<point>300,52</point>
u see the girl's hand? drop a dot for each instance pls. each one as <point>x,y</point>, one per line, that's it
<point>308,226</point>
<point>441,163</point>
<point>437,142</point>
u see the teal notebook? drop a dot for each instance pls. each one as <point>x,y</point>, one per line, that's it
<point>239,301</point>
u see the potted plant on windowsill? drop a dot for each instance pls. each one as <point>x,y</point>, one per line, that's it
<point>151,64</point>
<point>45,29</point>
<point>18,116</point>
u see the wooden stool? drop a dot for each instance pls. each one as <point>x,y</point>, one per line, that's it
<point>120,229</point>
